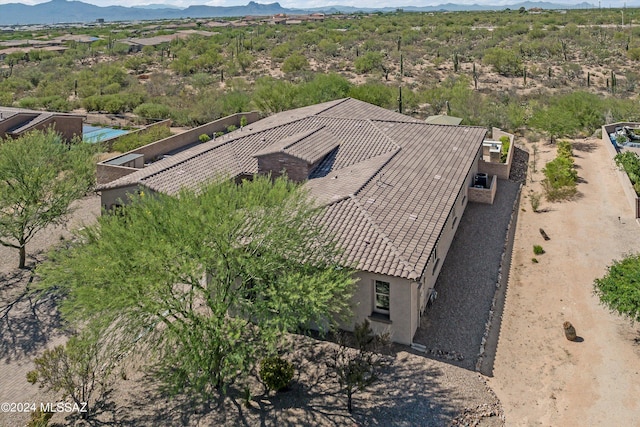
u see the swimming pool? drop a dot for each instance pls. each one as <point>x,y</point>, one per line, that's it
<point>93,134</point>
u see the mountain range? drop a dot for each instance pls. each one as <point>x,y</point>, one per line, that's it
<point>64,11</point>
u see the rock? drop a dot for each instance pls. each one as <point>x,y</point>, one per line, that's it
<point>569,331</point>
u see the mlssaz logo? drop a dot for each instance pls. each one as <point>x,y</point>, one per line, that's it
<point>64,407</point>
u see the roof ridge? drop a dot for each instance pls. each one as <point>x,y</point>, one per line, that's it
<point>396,252</point>
<point>384,133</point>
<point>386,162</point>
<point>302,136</point>
<point>339,101</point>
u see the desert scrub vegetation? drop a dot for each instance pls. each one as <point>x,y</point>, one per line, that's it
<point>140,138</point>
<point>561,176</point>
<point>629,162</point>
<point>558,74</point>
<point>538,250</point>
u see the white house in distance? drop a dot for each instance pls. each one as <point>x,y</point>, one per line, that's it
<point>393,189</point>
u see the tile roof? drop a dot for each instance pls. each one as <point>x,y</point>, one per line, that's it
<point>387,184</point>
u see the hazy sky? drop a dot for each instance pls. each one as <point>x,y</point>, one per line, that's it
<point>313,3</point>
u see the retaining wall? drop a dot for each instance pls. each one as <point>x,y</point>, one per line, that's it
<point>625,182</point>
<point>489,343</point>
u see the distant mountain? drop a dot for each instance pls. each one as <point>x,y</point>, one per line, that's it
<point>158,6</point>
<point>65,11</point>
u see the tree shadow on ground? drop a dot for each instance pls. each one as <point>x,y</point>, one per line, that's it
<point>27,321</point>
<point>411,390</point>
<point>584,146</point>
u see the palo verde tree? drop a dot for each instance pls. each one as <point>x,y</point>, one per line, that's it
<point>40,176</point>
<point>619,289</point>
<point>210,280</point>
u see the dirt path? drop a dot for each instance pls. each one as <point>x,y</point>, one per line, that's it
<point>541,378</point>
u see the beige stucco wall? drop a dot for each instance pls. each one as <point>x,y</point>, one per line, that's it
<point>68,126</point>
<point>502,170</point>
<point>484,195</point>
<point>119,196</point>
<point>403,316</point>
<point>107,173</point>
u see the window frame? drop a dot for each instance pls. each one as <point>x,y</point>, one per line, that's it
<point>377,309</point>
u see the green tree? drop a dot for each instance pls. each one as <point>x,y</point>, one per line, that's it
<point>619,289</point>
<point>358,368</point>
<point>294,63</point>
<point>505,61</point>
<point>210,279</point>
<point>39,178</point>
<point>368,62</point>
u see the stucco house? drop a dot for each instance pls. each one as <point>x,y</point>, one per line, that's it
<point>392,187</point>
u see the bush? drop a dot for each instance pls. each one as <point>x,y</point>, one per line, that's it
<point>150,110</point>
<point>504,151</point>
<point>276,373</point>
<point>560,174</point>
<point>204,138</point>
<point>294,63</point>
<point>629,162</point>
<point>368,62</point>
<point>39,418</point>
<point>534,198</point>
<point>537,249</point>
<point>138,139</point>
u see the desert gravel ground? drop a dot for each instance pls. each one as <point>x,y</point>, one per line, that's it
<point>541,378</point>
<point>455,323</point>
<point>412,390</point>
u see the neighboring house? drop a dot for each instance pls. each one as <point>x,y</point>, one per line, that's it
<point>137,44</point>
<point>392,187</point>
<point>16,121</point>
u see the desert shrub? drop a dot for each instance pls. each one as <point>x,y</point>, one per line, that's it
<point>534,198</point>
<point>150,110</point>
<point>294,63</point>
<point>276,373</point>
<point>138,139</point>
<point>565,149</point>
<point>81,369</point>
<point>504,151</point>
<point>629,162</point>
<point>560,174</point>
<point>375,93</point>
<point>505,62</point>
<point>534,260</point>
<point>537,249</point>
<point>204,138</point>
<point>39,418</point>
<point>368,62</point>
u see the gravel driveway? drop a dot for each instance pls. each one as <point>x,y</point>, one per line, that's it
<point>455,323</point>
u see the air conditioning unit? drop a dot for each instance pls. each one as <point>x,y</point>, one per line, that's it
<point>480,180</point>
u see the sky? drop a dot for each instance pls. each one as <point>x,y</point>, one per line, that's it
<point>316,3</point>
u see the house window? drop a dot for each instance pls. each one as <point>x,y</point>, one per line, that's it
<point>455,220</point>
<point>381,297</point>
<point>464,199</point>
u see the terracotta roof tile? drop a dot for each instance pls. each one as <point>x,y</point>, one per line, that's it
<point>387,185</point>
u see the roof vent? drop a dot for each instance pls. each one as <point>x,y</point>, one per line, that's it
<point>371,200</point>
<point>413,217</point>
<point>437,177</point>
